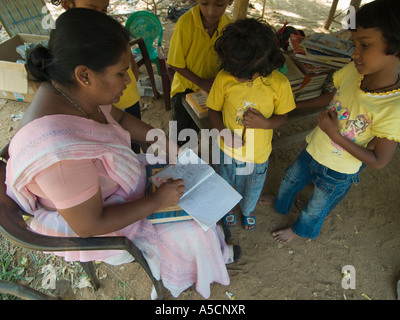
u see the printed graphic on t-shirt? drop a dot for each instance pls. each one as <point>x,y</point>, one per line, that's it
<point>350,129</point>
<point>242,111</point>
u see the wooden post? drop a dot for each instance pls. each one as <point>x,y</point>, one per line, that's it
<point>355,3</point>
<point>331,14</point>
<point>240,9</point>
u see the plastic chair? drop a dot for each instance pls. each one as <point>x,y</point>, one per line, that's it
<point>146,25</point>
<point>167,74</point>
<point>13,227</point>
<point>146,61</point>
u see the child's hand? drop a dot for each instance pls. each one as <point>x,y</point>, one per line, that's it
<point>169,193</point>
<point>254,119</point>
<point>328,123</point>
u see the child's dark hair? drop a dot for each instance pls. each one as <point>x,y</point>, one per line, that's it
<point>385,16</point>
<point>81,37</point>
<point>249,46</point>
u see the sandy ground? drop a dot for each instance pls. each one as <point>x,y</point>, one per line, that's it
<point>363,231</point>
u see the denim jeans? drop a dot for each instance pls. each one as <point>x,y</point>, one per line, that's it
<point>330,187</point>
<point>249,183</point>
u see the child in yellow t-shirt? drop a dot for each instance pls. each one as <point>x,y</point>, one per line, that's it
<point>192,54</point>
<point>361,125</point>
<point>249,98</point>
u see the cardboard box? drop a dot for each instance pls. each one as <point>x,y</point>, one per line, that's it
<point>14,83</point>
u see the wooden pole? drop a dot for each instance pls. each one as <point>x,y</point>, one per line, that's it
<point>331,14</point>
<point>263,10</point>
<point>355,3</point>
<point>240,9</point>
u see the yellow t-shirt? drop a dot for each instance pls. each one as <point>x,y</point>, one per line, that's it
<point>268,95</point>
<point>361,115</point>
<point>191,47</point>
<point>130,95</point>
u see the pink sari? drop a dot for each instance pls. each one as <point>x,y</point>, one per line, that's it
<point>181,254</point>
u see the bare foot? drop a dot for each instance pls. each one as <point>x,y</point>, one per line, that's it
<point>267,200</point>
<point>284,235</point>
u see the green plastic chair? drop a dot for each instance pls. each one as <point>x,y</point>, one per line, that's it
<point>146,25</point>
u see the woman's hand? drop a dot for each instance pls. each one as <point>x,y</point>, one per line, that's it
<point>328,123</point>
<point>169,193</point>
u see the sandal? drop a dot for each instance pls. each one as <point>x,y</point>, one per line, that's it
<point>249,223</point>
<point>235,252</point>
<point>229,220</point>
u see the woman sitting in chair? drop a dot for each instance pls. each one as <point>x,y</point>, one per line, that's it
<point>72,167</point>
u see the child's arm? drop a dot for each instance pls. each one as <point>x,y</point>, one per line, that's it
<point>321,101</point>
<point>231,139</point>
<point>254,119</point>
<point>376,155</point>
<point>204,84</point>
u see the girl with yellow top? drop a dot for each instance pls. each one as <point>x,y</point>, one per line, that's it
<point>361,124</point>
<point>249,98</point>
<point>192,54</point>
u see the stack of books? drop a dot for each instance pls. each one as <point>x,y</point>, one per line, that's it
<point>318,56</point>
<point>305,83</point>
<point>294,74</point>
<point>312,86</point>
<point>322,50</point>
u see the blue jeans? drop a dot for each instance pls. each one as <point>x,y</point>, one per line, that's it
<point>249,185</point>
<point>330,187</point>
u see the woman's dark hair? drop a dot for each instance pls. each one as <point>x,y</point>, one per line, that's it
<point>385,16</point>
<point>249,46</point>
<point>81,37</point>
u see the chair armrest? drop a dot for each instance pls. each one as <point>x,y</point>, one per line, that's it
<point>13,225</point>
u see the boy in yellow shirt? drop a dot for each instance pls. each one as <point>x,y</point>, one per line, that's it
<point>251,97</point>
<point>192,54</point>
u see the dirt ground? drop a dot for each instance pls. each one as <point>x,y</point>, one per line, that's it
<point>363,231</point>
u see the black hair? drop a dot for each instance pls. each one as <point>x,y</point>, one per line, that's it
<point>81,37</point>
<point>385,16</point>
<point>249,46</point>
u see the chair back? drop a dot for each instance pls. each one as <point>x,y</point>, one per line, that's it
<point>146,25</point>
